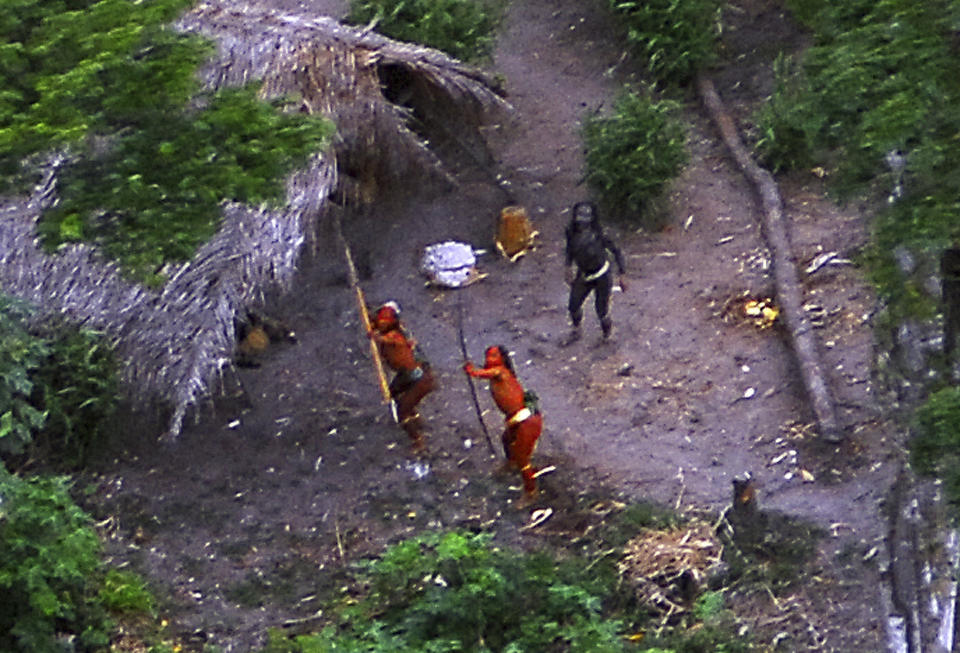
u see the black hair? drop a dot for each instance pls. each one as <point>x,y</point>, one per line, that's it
<point>591,209</point>
<point>505,355</point>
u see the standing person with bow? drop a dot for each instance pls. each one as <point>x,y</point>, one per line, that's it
<point>414,379</point>
<point>588,255</point>
<point>522,415</point>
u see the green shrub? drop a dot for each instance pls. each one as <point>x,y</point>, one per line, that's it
<point>881,76</point>
<point>76,387</point>
<point>58,388</point>
<point>124,592</point>
<point>455,592</point>
<point>156,196</point>
<point>829,18</point>
<point>633,154</point>
<point>675,37</point>
<point>464,29</point>
<point>935,446</point>
<point>48,561</point>
<point>789,126</point>
<point>21,355</point>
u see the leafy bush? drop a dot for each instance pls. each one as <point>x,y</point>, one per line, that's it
<point>21,355</point>
<point>169,178</point>
<point>152,161</point>
<point>58,388</point>
<point>454,592</point>
<point>882,76</point>
<point>464,29</point>
<point>632,155</point>
<point>124,592</point>
<point>86,68</point>
<point>675,37</point>
<point>935,446</point>
<point>48,560</point>
<point>76,388</point>
<point>789,126</point>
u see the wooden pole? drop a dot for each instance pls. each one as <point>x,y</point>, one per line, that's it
<point>473,387</point>
<point>789,291</point>
<point>362,307</point>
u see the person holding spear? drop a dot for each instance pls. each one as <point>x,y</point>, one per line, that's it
<point>414,379</point>
<point>523,421</point>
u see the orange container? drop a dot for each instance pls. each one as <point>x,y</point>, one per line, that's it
<point>515,232</point>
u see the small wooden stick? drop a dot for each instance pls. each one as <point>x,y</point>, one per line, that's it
<point>364,314</point>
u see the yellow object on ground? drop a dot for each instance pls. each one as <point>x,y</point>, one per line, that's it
<point>515,232</point>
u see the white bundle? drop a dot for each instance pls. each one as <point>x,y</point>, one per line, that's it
<point>450,264</point>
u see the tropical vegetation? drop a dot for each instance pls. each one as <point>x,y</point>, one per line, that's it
<point>633,153</point>
<point>150,158</point>
<point>464,29</point>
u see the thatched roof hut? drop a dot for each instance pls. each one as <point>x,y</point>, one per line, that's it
<point>173,343</point>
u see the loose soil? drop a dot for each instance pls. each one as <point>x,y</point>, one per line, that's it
<point>249,518</point>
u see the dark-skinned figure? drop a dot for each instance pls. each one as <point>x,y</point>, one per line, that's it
<point>588,258</point>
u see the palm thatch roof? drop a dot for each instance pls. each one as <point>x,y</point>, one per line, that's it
<point>369,85</point>
<point>175,342</point>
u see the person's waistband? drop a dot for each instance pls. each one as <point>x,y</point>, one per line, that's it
<point>520,416</point>
<point>599,273</point>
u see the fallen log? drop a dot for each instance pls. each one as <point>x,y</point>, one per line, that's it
<point>785,276</point>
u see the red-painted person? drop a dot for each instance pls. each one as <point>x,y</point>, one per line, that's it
<point>414,379</point>
<point>523,419</point>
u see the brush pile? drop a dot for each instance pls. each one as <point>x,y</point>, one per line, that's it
<point>667,567</point>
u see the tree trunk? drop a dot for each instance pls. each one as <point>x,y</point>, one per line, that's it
<point>789,292</point>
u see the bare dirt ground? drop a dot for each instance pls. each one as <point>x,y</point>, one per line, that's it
<point>250,515</point>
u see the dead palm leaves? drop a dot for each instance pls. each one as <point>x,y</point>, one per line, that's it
<point>174,343</point>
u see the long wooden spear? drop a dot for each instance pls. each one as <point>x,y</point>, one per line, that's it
<point>473,388</point>
<point>362,307</point>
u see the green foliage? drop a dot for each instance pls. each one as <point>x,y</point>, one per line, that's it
<point>152,161</point>
<point>789,126</point>
<point>124,592</point>
<point>58,388</point>
<point>155,196</point>
<point>83,67</point>
<point>829,18</point>
<point>455,592</point>
<point>48,560</point>
<point>675,37</point>
<point>632,155</point>
<point>465,29</point>
<point>76,387</point>
<point>935,446</point>
<point>21,355</point>
<point>708,606</point>
<point>882,76</point>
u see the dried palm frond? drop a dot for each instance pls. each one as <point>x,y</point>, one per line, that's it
<point>173,343</point>
<point>348,74</point>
